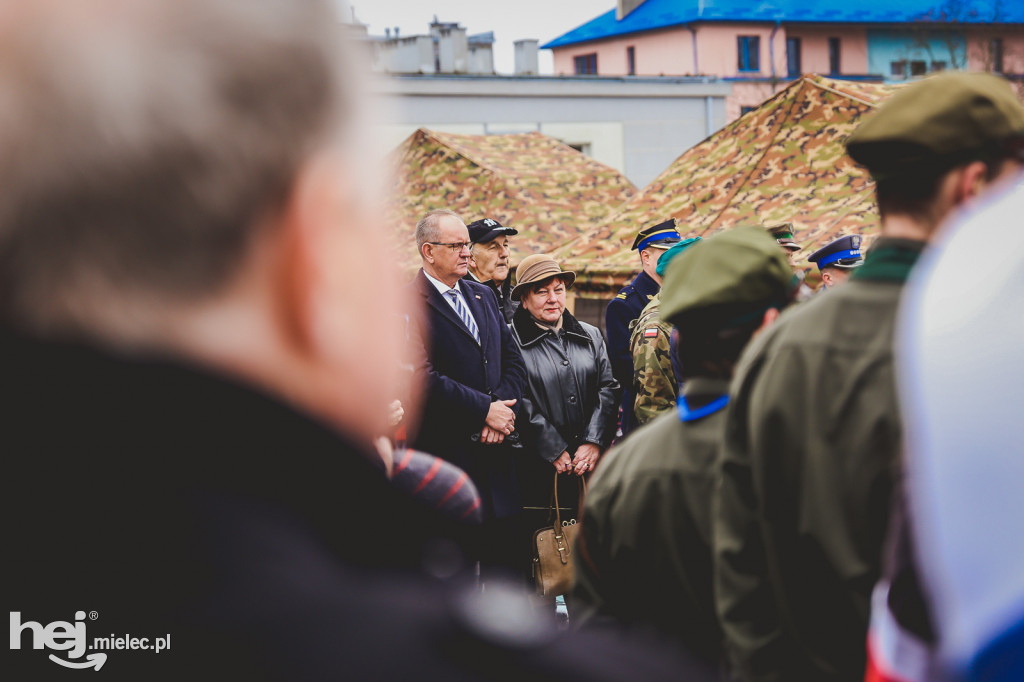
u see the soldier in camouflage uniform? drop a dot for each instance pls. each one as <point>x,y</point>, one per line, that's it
<point>627,305</point>
<point>655,376</point>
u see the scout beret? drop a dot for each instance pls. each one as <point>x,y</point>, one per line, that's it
<point>671,253</point>
<point>783,235</point>
<point>487,229</point>
<point>740,267</point>
<point>660,236</point>
<point>940,122</point>
<point>839,253</point>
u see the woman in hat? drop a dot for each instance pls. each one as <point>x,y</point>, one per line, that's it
<point>571,398</point>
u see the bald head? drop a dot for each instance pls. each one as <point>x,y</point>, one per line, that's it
<point>144,144</point>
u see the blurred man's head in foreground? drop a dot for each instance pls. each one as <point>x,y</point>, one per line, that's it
<point>179,178</point>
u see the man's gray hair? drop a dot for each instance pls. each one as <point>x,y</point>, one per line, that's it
<point>427,227</point>
<point>144,143</point>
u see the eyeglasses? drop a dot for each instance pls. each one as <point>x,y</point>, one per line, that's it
<point>457,247</point>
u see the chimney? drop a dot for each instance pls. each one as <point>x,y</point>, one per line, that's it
<point>526,57</point>
<point>625,7</point>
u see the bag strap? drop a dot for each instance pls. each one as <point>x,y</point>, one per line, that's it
<point>558,511</point>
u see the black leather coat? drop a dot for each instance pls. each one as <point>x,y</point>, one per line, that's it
<point>571,397</point>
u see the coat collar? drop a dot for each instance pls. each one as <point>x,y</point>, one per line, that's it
<point>437,302</point>
<point>529,333</point>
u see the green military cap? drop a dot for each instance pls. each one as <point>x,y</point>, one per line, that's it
<point>783,236</point>
<point>740,268</point>
<point>940,122</point>
<point>660,236</point>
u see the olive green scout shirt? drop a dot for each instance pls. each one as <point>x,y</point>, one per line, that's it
<point>811,455</point>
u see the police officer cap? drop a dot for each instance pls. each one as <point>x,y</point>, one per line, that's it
<point>783,235</point>
<point>941,122</point>
<point>740,268</point>
<point>486,229</point>
<point>660,236</point>
<point>840,253</point>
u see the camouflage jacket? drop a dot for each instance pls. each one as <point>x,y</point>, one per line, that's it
<point>654,379</point>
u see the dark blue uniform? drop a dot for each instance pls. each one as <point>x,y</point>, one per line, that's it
<point>623,309</point>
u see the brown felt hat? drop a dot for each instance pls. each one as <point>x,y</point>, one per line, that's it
<point>537,268</point>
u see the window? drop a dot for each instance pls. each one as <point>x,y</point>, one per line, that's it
<point>631,60</point>
<point>748,52</point>
<point>938,66</point>
<point>834,65</point>
<point>996,52</point>
<point>746,110</point>
<point>898,69</point>
<point>793,63</point>
<point>918,68</point>
<point>586,64</point>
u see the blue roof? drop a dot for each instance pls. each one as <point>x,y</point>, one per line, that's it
<point>655,14</point>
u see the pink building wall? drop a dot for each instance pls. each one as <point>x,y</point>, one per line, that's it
<point>716,46</point>
<point>853,48</point>
<point>979,54</point>
<point>668,53</point>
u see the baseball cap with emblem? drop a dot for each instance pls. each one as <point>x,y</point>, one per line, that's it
<point>839,253</point>
<point>487,229</point>
<point>660,236</point>
<point>783,236</point>
<point>735,272</point>
<point>940,122</point>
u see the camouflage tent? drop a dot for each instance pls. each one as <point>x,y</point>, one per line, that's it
<point>783,162</point>
<point>547,190</point>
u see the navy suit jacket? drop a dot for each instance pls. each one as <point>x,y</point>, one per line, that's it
<point>462,379</point>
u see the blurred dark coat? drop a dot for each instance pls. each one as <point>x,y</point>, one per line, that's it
<point>462,379</point>
<point>175,501</point>
<point>571,396</point>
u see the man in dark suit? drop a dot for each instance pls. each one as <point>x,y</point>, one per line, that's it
<point>474,377</point>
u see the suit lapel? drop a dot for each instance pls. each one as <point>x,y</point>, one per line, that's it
<point>436,301</point>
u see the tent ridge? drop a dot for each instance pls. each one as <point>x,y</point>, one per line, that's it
<point>766,148</point>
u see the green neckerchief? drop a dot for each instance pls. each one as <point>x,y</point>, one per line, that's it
<point>889,260</point>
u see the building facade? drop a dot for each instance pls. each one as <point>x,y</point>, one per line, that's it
<point>761,47</point>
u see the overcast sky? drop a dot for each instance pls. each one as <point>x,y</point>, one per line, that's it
<point>510,20</point>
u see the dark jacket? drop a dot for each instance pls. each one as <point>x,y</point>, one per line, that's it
<point>169,499</point>
<point>623,309</point>
<point>571,396</point>
<point>462,379</point>
<point>175,502</point>
<point>503,293</point>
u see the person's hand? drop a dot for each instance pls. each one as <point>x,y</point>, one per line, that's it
<point>586,458</point>
<point>564,463</point>
<point>501,418</point>
<point>490,437</point>
<point>395,413</point>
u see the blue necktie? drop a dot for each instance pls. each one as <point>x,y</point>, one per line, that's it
<point>464,315</point>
